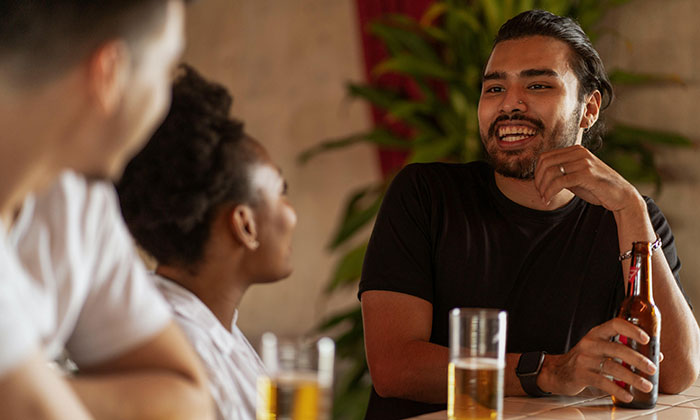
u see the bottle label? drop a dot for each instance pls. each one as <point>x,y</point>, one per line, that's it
<point>634,270</point>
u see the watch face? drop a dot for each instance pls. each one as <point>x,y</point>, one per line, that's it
<point>529,362</point>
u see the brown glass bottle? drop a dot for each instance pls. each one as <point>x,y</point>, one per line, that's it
<point>639,309</point>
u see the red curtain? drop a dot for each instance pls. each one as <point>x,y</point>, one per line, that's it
<point>374,52</point>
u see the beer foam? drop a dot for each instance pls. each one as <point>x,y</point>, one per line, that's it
<point>296,377</point>
<point>478,363</point>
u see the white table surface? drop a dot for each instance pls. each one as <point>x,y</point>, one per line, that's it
<point>684,406</point>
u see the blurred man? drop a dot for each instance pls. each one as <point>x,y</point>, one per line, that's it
<point>84,84</point>
<point>536,232</point>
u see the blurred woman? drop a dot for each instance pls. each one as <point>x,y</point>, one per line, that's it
<point>206,201</point>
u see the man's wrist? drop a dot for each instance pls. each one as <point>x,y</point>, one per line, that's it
<point>633,223</point>
<point>528,371</point>
<point>544,379</point>
<point>635,210</point>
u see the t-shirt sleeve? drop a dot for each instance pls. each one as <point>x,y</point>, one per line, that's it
<point>19,336</point>
<point>123,308</point>
<point>663,229</point>
<point>399,254</point>
<point>73,242</point>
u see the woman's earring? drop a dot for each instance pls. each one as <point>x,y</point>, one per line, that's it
<point>255,245</point>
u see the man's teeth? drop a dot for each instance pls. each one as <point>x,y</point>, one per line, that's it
<point>515,133</point>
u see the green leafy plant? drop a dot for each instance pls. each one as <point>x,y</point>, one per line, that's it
<point>443,55</point>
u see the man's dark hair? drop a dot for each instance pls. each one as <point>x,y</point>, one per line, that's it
<point>39,39</point>
<point>584,61</point>
<point>196,161</point>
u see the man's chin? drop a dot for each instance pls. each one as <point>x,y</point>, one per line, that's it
<point>522,168</point>
<point>91,174</point>
<point>102,175</point>
<point>523,175</point>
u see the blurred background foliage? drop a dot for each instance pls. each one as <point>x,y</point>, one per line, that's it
<point>442,55</point>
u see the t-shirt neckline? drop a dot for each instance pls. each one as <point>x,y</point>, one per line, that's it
<point>511,206</point>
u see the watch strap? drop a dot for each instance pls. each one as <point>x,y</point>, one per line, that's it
<point>528,380</point>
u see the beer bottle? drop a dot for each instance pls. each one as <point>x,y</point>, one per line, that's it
<point>639,309</point>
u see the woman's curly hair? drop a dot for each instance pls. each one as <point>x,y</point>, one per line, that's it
<point>197,160</point>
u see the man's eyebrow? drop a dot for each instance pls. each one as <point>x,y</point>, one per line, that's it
<point>494,75</point>
<point>501,75</point>
<point>539,72</point>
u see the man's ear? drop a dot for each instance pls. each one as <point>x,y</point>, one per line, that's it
<point>243,226</point>
<point>591,110</point>
<point>108,67</point>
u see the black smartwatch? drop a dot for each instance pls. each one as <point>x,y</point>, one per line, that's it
<point>528,370</point>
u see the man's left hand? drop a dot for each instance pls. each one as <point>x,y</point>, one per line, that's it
<point>578,170</point>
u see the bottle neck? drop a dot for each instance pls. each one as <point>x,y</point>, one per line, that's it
<point>640,272</point>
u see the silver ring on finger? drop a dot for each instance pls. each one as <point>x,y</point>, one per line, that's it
<point>601,366</point>
<point>562,170</point>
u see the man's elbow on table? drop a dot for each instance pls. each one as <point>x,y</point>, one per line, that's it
<point>387,379</point>
<point>683,375</point>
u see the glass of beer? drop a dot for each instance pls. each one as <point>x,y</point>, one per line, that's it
<point>298,384</point>
<point>477,362</point>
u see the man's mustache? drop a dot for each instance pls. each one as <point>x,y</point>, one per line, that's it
<point>514,117</point>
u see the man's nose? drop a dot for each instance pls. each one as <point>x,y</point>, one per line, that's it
<point>513,101</point>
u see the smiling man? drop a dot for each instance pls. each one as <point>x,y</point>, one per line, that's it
<point>536,231</point>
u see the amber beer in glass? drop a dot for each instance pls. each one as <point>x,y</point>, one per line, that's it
<point>639,309</point>
<point>477,362</point>
<point>299,379</point>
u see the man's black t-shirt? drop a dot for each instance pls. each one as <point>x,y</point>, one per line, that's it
<point>445,233</point>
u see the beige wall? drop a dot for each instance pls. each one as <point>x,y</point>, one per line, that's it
<point>286,63</point>
<point>664,37</point>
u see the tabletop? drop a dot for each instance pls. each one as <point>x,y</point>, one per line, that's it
<point>684,406</point>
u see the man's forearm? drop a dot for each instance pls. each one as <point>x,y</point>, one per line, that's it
<point>34,391</point>
<point>511,386</point>
<point>142,395</point>
<point>423,376</point>
<point>680,337</point>
<point>160,379</point>
<point>418,373</point>
<point>679,331</point>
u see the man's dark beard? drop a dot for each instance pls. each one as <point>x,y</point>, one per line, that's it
<point>519,169</point>
<point>514,166</point>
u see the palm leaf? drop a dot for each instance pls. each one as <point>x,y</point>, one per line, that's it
<point>403,35</point>
<point>348,269</point>
<point>413,66</point>
<point>361,208</point>
<point>629,135</point>
<point>379,136</point>
<point>622,77</point>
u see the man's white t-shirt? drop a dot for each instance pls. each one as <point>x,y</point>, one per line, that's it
<point>73,242</point>
<point>20,324</point>
<point>232,364</point>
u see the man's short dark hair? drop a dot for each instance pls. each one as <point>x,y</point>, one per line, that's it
<point>197,161</point>
<point>39,39</point>
<point>585,61</point>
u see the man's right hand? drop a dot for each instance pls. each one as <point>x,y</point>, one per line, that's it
<point>590,363</point>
